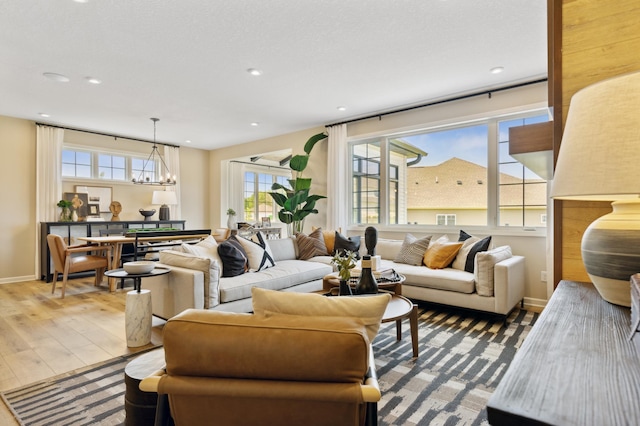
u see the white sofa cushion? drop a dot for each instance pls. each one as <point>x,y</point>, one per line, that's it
<point>205,248</point>
<point>440,279</point>
<point>285,274</point>
<point>368,309</point>
<point>208,266</point>
<point>461,257</point>
<point>484,268</point>
<point>258,252</point>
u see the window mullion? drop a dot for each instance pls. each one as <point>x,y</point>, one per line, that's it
<point>493,177</point>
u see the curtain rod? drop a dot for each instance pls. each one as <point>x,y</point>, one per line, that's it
<point>443,101</point>
<point>107,134</point>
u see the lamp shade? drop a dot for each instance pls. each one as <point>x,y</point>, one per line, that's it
<point>164,197</point>
<point>598,160</point>
<point>600,149</point>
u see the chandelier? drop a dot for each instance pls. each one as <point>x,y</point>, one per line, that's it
<point>149,175</point>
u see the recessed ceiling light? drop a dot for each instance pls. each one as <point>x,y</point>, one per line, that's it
<point>254,71</point>
<point>56,77</point>
<point>255,124</point>
<point>342,108</point>
<point>93,80</point>
<point>496,70</point>
<point>81,1</point>
<point>187,141</point>
<point>44,114</point>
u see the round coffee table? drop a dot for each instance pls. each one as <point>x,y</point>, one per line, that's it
<point>399,308</point>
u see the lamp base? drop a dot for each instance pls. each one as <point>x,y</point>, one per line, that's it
<point>164,212</point>
<point>611,251</point>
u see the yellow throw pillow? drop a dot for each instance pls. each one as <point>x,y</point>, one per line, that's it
<point>440,255</point>
<point>329,238</point>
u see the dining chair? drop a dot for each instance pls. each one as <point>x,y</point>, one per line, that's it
<point>66,260</point>
<point>221,234</point>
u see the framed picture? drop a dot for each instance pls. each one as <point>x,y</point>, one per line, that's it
<point>266,222</point>
<point>79,203</point>
<point>94,209</point>
<point>100,195</point>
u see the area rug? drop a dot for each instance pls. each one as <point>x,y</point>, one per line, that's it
<point>462,357</point>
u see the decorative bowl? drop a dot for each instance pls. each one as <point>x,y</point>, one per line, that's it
<point>139,267</point>
<point>147,213</point>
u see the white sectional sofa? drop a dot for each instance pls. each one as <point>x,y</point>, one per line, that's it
<point>195,282</point>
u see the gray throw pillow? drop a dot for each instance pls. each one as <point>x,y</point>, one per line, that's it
<point>412,250</point>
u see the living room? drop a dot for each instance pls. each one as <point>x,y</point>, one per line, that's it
<point>204,196</point>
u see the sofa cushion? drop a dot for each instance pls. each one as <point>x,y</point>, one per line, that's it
<point>441,279</point>
<point>234,258</point>
<point>368,309</point>
<point>413,250</point>
<point>311,245</point>
<point>286,273</point>
<point>205,264</point>
<point>259,254</point>
<point>484,270</point>
<point>440,255</point>
<point>461,257</point>
<point>274,347</point>
<point>343,244</point>
<point>205,248</point>
<point>329,239</point>
<point>283,249</point>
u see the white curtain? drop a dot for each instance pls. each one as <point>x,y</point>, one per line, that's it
<point>172,158</point>
<point>337,180</point>
<point>48,179</point>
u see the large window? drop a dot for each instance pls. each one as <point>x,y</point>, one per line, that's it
<point>82,164</point>
<point>258,203</point>
<point>458,175</point>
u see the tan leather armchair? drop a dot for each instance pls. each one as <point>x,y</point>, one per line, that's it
<point>65,263</point>
<point>242,369</point>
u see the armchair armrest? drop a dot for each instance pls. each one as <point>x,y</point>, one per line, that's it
<point>150,383</point>
<point>370,387</point>
<point>89,248</point>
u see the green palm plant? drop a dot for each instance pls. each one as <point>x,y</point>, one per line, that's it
<point>295,201</point>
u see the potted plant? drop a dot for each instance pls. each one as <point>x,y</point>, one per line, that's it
<point>295,201</point>
<point>65,214</point>
<point>230,214</point>
<point>344,261</point>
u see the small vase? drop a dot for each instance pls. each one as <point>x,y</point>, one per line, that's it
<point>74,216</point>
<point>65,215</point>
<point>345,289</point>
<point>230,223</point>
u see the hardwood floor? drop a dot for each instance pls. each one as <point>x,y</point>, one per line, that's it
<point>42,335</point>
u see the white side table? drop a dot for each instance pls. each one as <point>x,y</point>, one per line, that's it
<point>138,310</point>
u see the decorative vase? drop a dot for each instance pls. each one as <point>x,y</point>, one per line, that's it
<point>345,289</point>
<point>74,216</point>
<point>610,251</point>
<point>65,215</point>
<point>230,223</point>
<point>367,283</point>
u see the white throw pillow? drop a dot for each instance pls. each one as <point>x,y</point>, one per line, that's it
<point>208,267</point>
<point>461,257</point>
<point>205,248</point>
<point>369,309</point>
<point>484,273</point>
<point>258,252</point>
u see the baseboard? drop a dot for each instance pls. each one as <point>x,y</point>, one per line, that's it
<point>17,279</point>
<point>535,304</point>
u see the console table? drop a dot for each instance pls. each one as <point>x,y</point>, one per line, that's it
<point>576,366</point>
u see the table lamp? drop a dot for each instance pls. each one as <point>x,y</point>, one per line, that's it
<point>598,160</point>
<point>165,198</point>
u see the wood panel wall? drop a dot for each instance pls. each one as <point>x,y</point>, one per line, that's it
<point>600,39</point>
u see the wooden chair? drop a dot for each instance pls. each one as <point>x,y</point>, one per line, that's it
<point>65,263</point>
<point>221,234</point>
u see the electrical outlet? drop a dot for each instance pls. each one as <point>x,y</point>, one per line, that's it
<point>543,276</point>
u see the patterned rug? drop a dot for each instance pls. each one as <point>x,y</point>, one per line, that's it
<point>463,355</point>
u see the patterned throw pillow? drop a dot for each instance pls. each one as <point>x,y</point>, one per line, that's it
<point>258,252</point>
<point>440,255</point>
<point>412,250</point>
<point>234,258</point>
<point>311,245</point>
<point>343,244</point>
<point>471,247</point>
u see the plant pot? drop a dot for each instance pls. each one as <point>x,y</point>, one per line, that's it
<point>65,215</point>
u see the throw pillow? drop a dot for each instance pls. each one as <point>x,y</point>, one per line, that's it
<point>234,258</point>
<point>329,239</point>
<point>440,255</point>
<point>258,252</point>
<point>343,244</point>
<point>484,270</point>
<point>465,260</point>
<point>369,309</point>
<point>311,245</point>
<point>412,250</point>
<point>208,267</point>
<point>205,248</point>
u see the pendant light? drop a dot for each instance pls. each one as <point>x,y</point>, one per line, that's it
<point>149,175</point>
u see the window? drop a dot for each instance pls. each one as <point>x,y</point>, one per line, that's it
<point>258,203</point>
<point>81,164</point>
<point>445,177</point>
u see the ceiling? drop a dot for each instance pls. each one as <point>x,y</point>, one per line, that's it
<point>186,61</point>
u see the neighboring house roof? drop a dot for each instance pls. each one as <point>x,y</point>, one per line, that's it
<point>462,184</point>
